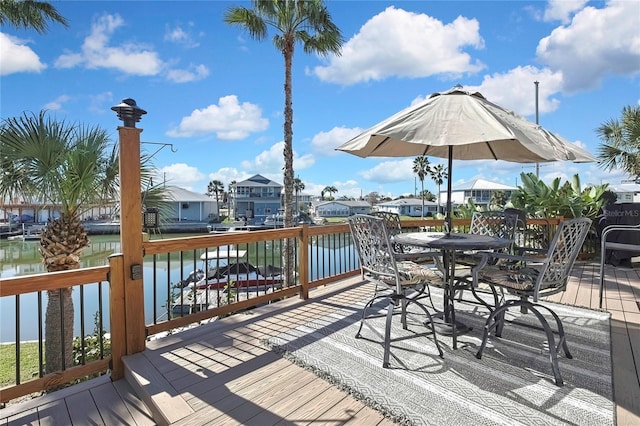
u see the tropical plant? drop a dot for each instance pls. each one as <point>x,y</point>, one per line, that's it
<point>294,21</point>
<point>620,147</point>
<point>298,187</point>
<point>438,175</point>
<point>498,200</point>
<point>421,168</point>
<point>29,14</point>
<point>567,200</point>
<point>216,188</point>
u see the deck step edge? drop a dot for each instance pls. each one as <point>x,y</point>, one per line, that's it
<point>165,403</point>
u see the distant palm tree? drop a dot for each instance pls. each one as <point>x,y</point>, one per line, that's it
<point>620,147</point>
<point>298,187</point>
<point>421,168</point>
<point>330,189</point>
<point>438,175</point>
<point>304,21</point>
<point>29,14</point>
<point>216,188</point>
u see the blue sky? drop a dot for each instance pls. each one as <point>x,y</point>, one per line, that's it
<point>217,95</point>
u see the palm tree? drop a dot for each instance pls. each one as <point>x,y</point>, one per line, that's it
<point>67,165</point>
<point>29,14</point>
<point>330,189</point>
<point>438,175</point>
<point>421,168</point>
<point>304,21</point>
<point>298,186</point>
<point>216,188</point>
<point>620,147</point>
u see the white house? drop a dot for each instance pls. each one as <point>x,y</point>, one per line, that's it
<point>479,190</point>
<point>409,207</point>
<point>626,192</point>
<point>340,208</point>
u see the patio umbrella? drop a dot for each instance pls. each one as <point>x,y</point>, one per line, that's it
<point>464,126</point>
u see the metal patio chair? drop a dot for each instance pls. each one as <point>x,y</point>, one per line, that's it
<point>405,281</point>
<point>530,279</point>
<point>403,251</point>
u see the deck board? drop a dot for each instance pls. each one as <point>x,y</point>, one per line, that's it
<point>226,376</point>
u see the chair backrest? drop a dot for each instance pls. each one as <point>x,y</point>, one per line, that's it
<point>394,227</point>
<point>494,223</point>
<point>561,256</point>
<point>374,247</point>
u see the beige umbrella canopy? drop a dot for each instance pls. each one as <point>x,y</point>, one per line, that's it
<point>463,126</point>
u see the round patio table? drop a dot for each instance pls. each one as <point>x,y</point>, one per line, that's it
<point>449,243</point>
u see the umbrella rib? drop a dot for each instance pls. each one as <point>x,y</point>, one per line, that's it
<point>495,157</point>
<point>386,138</point>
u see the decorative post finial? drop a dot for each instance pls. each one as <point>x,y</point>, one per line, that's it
<point>128,112</point>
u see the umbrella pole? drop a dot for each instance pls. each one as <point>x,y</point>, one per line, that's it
<point>448,217</point>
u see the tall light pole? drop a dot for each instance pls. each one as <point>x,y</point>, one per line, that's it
<point>537,122</point>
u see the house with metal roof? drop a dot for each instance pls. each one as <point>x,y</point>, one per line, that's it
<point>409,207</point>
<point>479,190</point>
<point>626,192</point>
<point>189,205</point>
<point>341,208</point>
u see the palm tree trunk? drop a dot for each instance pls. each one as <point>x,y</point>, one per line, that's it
<point>59,330</point>
<point>288,261</point>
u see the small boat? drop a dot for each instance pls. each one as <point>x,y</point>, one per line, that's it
<point>229,268</point>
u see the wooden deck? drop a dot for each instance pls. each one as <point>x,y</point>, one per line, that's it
<point>220,373</point>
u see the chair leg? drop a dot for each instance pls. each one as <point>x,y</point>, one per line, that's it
<point>496,318</point>
<point>433,330</point>
<point>387,330</point>
<point>364,312</point>
<point>601,276</point>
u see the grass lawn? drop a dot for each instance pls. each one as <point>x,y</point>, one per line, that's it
<point>28,363</point>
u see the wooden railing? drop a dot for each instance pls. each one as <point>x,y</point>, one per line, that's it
<point>324,255</point>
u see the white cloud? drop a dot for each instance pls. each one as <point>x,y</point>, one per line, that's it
<point>181,36</point>
<point>515,89</point>
<point>561,10</point>
<point>597,42</point>
<point>228,174</point>
<point>96,52</point>
<point>17,56</point>
<point>129,58</point>
<point>180,174</point>
<point>390,171</point>
<point>194,73</point>
<point>56,104</point>
<point>272,161</point>
<point>229,120</point>
<point>405,44</point>
<point>326,142</point>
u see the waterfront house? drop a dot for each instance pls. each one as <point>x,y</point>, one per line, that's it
<point>478,190</point>
<point>256,197</point>
<point>189,205</point>
<point>409,207</point>
<point>341,208</point>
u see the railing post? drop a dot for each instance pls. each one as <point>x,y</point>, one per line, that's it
<point>131,224</point>
<point>303,267</point>
<point>117,315</point>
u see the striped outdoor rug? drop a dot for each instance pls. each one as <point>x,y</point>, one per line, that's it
<point>511,385</point>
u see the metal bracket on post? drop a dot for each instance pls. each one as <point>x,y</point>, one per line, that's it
<point>136,272</point>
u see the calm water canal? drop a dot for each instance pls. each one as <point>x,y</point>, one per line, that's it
<point>22,258</point>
